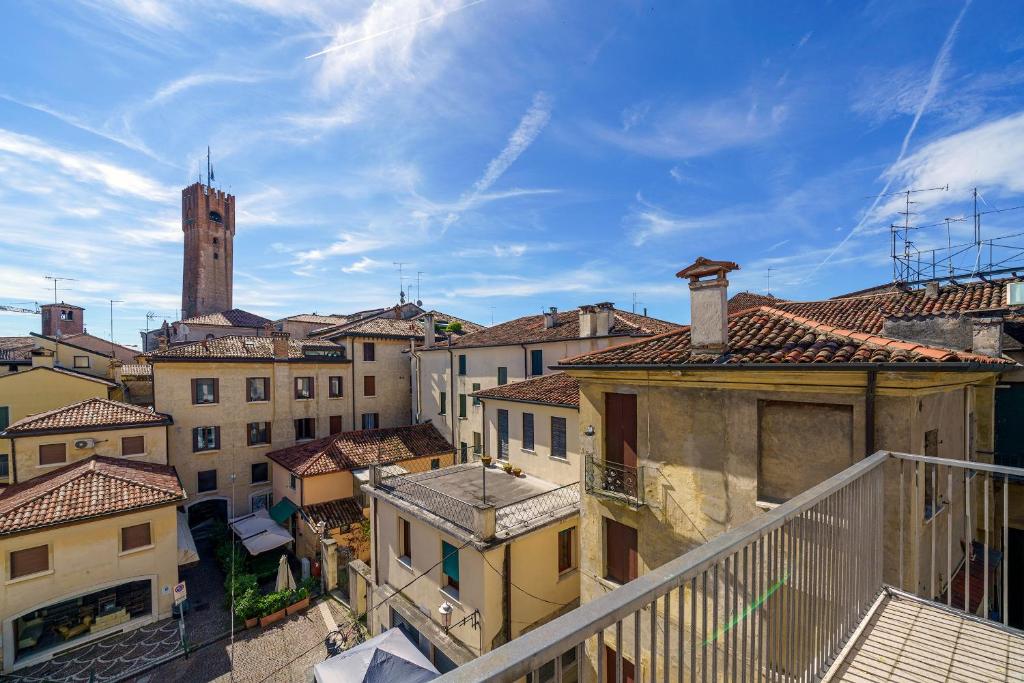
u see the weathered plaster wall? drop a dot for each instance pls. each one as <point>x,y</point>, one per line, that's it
<point>108,443</point>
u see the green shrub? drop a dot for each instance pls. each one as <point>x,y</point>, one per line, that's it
<point>274,602</point>
<point>242,583</point>
<point>247,605</point>
<point>454,327</point>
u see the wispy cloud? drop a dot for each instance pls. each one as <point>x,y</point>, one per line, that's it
<point>530,126</point>
<point>647,221</point>
<point>363,265</point>
<point>201,79</point>
<point>347,244</point>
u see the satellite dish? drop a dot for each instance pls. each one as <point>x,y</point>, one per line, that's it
<point>183,329</point>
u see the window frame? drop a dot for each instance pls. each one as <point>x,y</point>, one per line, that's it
<point>462,406</point>
<point>564,444</point>
<point>372,348</point>
<point>216,439</point>
<point>443,397</point>
<point>536,362</point>
<point>502,446</point>
<point>11,576</point>
<point>450,584</point>
<point>502,376</point>
<point>375,419</point>
<point>215,391</point>
<point>570,534</point>
<point>134,549</point>
<point>532,444</point>
<point>476,388</point>
<point>311,421</point>
<point>249,431</point>
<point>331,381</point>
<point>64,449</point>
<point>251,382</point>
<point>630,567</point>
<point>75,362</point>
<point>199,481</point>
<point>331,423</point>
<point>305,394</point>
<point>252,473</point>
<point>125,454</point>
<point>462,364</point>
<point>404,541</point>
<point>369,386</point>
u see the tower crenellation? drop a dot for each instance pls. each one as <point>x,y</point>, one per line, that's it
<point>208,221</point>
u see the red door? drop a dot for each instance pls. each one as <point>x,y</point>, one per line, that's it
<point>620,429</point>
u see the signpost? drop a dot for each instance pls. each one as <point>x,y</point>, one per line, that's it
<point>180,595</point>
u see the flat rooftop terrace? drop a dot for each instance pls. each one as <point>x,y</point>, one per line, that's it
<point>467,483</point>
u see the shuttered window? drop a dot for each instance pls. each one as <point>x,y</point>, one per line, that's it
<point>137,536</point>
<point>53,453</point>
<point>205,391</point>
<point>5,417</point>
<point>558,437</point>
<point>404,541</point>
<point>503,434</point>
<point>205,439</point>
<point>335,425</point>
<point>462,364</point>
<point>30,561</point>
<point>528,431</point>
<point>133,445</point>
<point>462,405</point>
<point>369,385</point>
<point>450,565</point>
<point>620,429</point>
<point>444,403</point>
<point>537,362</point>
<point>565,549</point>
<point>619,551</point>
<point>502,375</point>
<point>369,351</point>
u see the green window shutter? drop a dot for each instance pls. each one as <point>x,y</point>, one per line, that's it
<point>451,560</point>
<point>5,417</point>
<point>462,364</point>
<point>537,362</point>
<point>502,375</point>
<point>462,405</point>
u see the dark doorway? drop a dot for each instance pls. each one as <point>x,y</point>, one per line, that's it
<point>1010,425</point>
<point>1015,598</point>
<point>203,515</point>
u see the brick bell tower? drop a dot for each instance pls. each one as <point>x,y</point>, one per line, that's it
<point>208,221</point>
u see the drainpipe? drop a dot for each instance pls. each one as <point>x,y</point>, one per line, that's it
<point>525,361</point>
<point>416,361</point>
<point>352,384</point>
<point>451,393</point>
<point>13,477</point>
<point>869,412</point>
<point>506,594</point>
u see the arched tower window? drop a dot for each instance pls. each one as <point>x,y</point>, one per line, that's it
<point>216,217</point>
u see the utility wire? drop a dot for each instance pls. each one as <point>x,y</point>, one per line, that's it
<point>520,588</point>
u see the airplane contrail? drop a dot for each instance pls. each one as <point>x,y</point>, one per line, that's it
<point>335,48</point>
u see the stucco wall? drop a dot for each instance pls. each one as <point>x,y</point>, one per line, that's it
<point>393,401</point>
<point>84,558</point>
<point>99,365</point>
<point>538,462</point>
<point>108,443</point>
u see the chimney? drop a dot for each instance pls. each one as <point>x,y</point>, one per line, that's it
<point>551,318</point>
<point>587,320</point>
<point>428,331</point>
<point>709,304</point>
<point>279,344</point>
<point>42,358</point>
<point>931,290</point>
<point>161,342</point>
<point>114,371</point>
<point>987,336</point>
<point>604,319</point>
<point>268,329</point>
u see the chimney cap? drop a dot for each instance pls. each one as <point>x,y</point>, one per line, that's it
<point>704,267</point>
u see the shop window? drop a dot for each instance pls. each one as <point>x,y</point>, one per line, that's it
<point>293,481</point>
<point>53,454</point>
<point>462,405</point>
<point>133,445</point>
<point>135,537</point>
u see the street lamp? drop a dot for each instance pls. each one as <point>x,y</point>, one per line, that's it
<point>446,614</point>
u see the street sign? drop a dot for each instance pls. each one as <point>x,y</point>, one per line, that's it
<point>179,593</point>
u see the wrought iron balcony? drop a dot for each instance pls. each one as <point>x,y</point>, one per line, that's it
<point>612,480</point>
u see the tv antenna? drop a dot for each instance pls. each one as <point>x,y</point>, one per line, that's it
<point>903,234</point>
<point>419,299</point>
<point>112,302</point>
<point>401,280</point>
<point>57,279</point>
<point>636,302</point>
<point>768,286</point>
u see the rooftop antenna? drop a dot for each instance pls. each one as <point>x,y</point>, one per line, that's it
<point>401,280</point>
<point>419,299</point>
<point>112,302</point>
<point>636,302</point>
<point>56,279</point>
<point>769,276</point>
<point>209,169</point>
<point>902,274</point>
<point>492,316</point>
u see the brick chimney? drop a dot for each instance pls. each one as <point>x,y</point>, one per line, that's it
<point>931,290</point>
<point>588,315</point>
<point>551,318</point>
<point>429,332</point>
<point>987,336</point>
<point>161,343</point>
<point>604,319</point>
<point>709,304</point>
<point>279,344</point>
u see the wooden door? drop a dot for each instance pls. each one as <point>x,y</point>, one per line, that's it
<point>620,429</point>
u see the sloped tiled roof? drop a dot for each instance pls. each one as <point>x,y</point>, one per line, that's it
<point>558,389</point>
<point>530,329</point>
<point>335,514</point>
<point>362,448</point>
<point>16,348</point>
<point>238,347</point>
<point>767,336</point>
<point>93,487</point>
<point>378,327</point>
<point>316,319</point>
<point>136,370</point>
<point>235,317</point>
<point>744,300</point>
<point>92,413</point>
<point>468,326</point>
<point>84,340</point>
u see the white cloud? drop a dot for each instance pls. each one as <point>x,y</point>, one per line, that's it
<point>647,221</point>
<point>347,244</point>
<point>115,179</point>
<point>200,79</point>
<point>504,251</point>
<point>363,265</point>
<point>530,126</point>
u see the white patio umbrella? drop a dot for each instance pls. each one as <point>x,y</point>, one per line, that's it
<point>284,574</point>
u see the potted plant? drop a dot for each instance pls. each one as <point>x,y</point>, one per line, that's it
<point>486,460</point>
<point>247,607</point>
<point>299,600</point>
<point>272,607</point>
<point>516,471</point>
<point>507,467</point>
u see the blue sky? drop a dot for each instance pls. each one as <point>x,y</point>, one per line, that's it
<point>519,154</point>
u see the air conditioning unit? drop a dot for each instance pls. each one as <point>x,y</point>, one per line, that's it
<point>82,444</point>
<point>1015,294</point>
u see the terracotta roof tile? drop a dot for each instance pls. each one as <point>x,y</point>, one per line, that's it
<point>530,329</point>
<point>235,317</point>
<point>16,348</point>
<point>468,326</point>
<point>362,448</point>
<point>85,489</point>
<point>92,413</point>
<point>238,346</point>
<point>769,335</point>
<point>556,389</point>
<point>335,514</point>
<point>136,370</point>
<point>744,300</point>
<point>377,327</point>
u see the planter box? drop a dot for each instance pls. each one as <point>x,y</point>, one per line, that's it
<point>271,618</point>
<point>249,623</point>
<point>298,606</point>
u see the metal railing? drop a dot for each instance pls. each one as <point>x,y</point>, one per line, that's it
<point>456,511</point>
<point>540,505</point>
<point>613,480</point>
<point>776,598</point>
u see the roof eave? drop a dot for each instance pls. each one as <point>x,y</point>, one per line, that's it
<point>17,434</point>
<point>959,366</point>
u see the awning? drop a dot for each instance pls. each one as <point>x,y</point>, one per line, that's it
<point>259,533</point>
<point>187,553</point>
<point>383,659</point>
<point>284,509</point>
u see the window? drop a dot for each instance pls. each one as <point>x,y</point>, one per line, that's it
<point>81,361</point>
<point>371,420</point>
<point>335,387</point>
<point>293,481</point>
<point>53,454</point>
<point>133,445</point>
<point>135,537</point>
<point>435,463</point>
<point>528,431</point>
<point>259,472</point>
<point>537,362</point>
<point>335,425</point>
<point>303,387</point>
<point>30,561</point>
<point>369,385</point>
<point>450,568</point>
<point>4,466</point>
<point>462,405</point>
<point>619,552</point>
<point>369,351</point>
<point>204,391</point>
<point>463,452</point>
<point>260,501</point>
<point>206,480</point>
<point>546,673</point>
<point>305,428</point>
<point>478,444</point>
<point>476,388</point>
<point>502,376</point>
<point>257,433</point>
<point>257,389</point>
<point>5,417</point>
<point>462,364</point>
<point>558,437</point>
<point>502,434</point>
<point>566,550</point>
<point>404,541</point>
<point>444,403</point>
<point>205,439</point>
